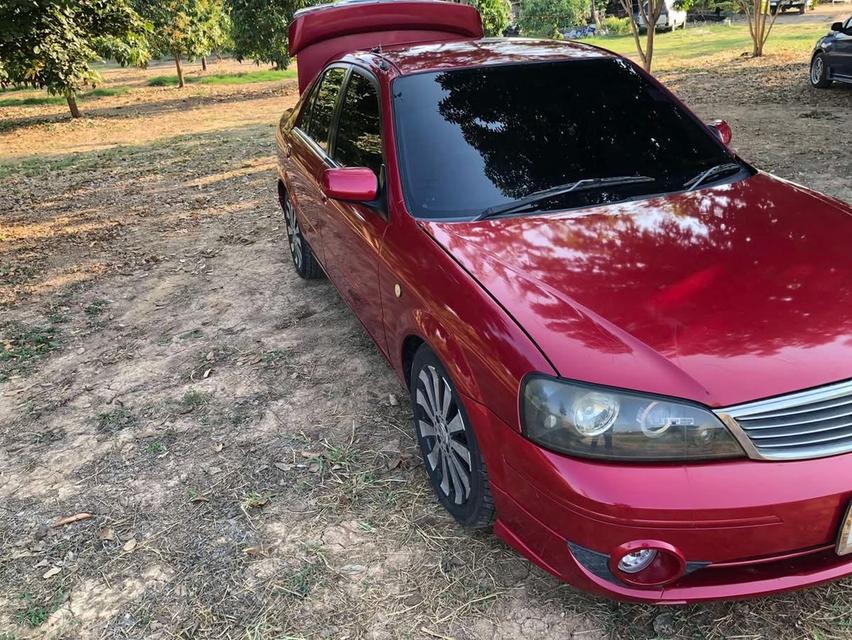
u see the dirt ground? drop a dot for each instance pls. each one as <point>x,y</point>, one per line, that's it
<point>244,454</point>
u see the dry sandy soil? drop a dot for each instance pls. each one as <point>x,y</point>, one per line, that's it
<point>244,453</point>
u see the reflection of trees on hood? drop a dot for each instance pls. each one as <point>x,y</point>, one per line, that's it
<point>727,271</point>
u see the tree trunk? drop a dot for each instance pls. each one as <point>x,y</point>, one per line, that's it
<point>649,49</point>
<point>179,70</point>
<point>72,105</point>
<point>203,63</point>
<point>596,16</point>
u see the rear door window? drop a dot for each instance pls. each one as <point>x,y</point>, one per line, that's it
<point>359,135</point>
<point>322,105</point>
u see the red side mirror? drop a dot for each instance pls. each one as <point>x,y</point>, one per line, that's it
<point>352,184</point>
<point>723,130</point>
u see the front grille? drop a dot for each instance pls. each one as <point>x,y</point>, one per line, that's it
<point>807,424</point>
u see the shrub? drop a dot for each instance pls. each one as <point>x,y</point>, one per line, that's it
<point>616,26</point>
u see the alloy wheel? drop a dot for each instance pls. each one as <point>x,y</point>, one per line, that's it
<point>817,70</point>
<point>444,434</point>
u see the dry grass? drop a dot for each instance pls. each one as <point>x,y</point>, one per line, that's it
<point>230,428</point>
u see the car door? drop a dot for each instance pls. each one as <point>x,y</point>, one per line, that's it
<point>841,64</point>
<point>308,156</point>
<point>353,232</point>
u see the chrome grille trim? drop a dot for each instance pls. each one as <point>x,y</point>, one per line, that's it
<point>807,424</point>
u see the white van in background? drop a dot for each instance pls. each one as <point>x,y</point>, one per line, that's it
<point>669,20</point>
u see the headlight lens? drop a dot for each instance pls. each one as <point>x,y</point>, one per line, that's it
<point>594,422</point>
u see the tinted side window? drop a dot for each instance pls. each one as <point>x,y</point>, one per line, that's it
<point>359,138</point>
<point>305,114</point>
<point>322,108</point>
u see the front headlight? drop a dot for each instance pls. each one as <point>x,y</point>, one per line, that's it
<point>596,422</point>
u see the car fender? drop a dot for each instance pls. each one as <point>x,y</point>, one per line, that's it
<point>427,296</point>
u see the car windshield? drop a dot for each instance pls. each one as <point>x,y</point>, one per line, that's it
<point>473,139</point>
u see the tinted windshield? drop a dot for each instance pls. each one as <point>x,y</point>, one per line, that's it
<point>471,139</point>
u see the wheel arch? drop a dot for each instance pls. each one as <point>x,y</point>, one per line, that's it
<point>430,331</point>
<point>282,192</point>
<point>410,344</point>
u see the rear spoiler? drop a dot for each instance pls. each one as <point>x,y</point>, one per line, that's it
<point>319,34</point>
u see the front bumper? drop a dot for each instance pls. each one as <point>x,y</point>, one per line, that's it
<point>745,528</point>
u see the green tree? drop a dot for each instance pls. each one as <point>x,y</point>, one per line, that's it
<point>50,44</point>
<point>496,15</point>
<point>187,29</point>
<point>547,18</point>
<point>259,29</point>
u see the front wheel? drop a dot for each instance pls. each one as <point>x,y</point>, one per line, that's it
<point>819,72</point>
<point>449,447</point>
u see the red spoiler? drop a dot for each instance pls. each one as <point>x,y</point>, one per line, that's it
<point>319,34</point>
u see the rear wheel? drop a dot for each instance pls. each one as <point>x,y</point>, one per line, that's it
<point>819,72</point>
<point>449,447</point>
<point>303,257</point>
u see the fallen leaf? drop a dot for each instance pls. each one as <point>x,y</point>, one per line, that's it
<point>199,498</point>
<point>130,545</point>
<point>70,519</point>
<point>255,551</point>
<point>219,447</point>
<point>106,533</point>
<point>51,572</point>
<point>207,373</point>
<point>353,568</point>
<point>283,466</point>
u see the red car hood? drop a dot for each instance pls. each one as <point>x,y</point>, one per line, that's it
<point>722,295</point>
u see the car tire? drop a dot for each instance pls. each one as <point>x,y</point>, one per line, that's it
<point>448,444</point>
<point>304,261</point>
<point>819,72</point>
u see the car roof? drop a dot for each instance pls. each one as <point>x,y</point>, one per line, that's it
<point>408,59</point>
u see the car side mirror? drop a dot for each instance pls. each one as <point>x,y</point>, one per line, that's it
<point>837,26</point>
<point>722,130</point>
<point>350,184</point>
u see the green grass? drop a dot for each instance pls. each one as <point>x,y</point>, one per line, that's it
<point>19,343</point>
<point>96,307</point>
<point>702,41</point>
<point>246,77</point>
<point>116,420</point>
<point>156,448</point>
<point>194,399</point>
<point>40,100</point>
<point>35,614</point>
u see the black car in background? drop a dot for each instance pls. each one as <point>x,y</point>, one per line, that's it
<point>832,57</point>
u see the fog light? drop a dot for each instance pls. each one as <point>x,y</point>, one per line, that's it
<point>636,561</point>
<point>647,563</point>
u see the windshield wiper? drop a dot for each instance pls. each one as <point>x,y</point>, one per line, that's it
<point>693,183</point>
<point>546,194</point>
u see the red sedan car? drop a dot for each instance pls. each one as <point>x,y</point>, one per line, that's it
<point>627,350</point>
